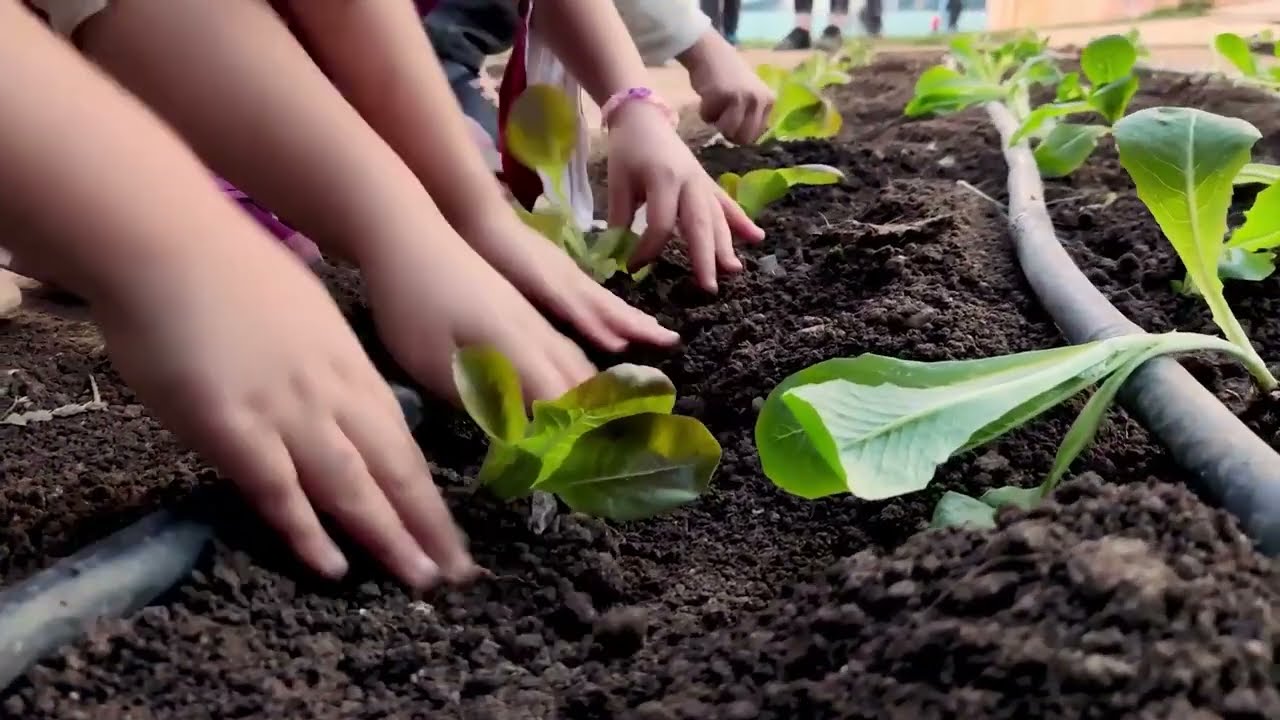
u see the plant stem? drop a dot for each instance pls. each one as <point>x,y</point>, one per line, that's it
<point>1245,351</point>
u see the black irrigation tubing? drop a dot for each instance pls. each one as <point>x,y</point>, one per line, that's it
<point>111,578</point>
<point>1229,464</point>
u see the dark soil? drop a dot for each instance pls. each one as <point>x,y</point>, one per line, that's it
<point>1123,599</point>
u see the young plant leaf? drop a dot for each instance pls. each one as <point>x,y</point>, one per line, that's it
<point>1261,228</point>
<point>1041,116</point>
<point>773,76</point>
<point>1069,88</point>
<point>1025,498</point>
<point>1066,148</point>
<point>1108,59</point>
<point>1112,99</point>
<point>801,113</point>
<point>942,90</point>
<point>758,188</point>
<point>609,446</point>
<point>1237,264</point>
<point>636,467</point>
<point>542,130</point>
<point>1258,173</point>
<point>878,427</point>
<point>489,388</point>
<point>1184,162</point>
<point>1236,50</point>
<point>959,510</point>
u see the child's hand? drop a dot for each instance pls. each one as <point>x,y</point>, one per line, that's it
<point>650,164</point>
<point>550,278</point>
<point>734,98</point>
<point>430,298</point>
<point>242,353</point>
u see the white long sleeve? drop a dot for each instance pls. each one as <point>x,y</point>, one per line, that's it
<point>662,29</point>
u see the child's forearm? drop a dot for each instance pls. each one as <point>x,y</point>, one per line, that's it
<point>377,53</point>
<point>95,185</point>
<point>591,40</point>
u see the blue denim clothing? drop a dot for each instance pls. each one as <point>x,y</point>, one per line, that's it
<point>476,106</point>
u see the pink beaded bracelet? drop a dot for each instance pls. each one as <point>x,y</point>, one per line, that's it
<point>638,94</point>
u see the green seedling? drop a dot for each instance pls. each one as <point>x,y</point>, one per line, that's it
<point>1107,63</point>
<point>542,133</point>
<point>1258,174</point>
<point>1238,52</point>
<point>800,110</point>
<point>758,188</point>
<point>878,427</point>
<point>975,74</point>
<point>609,447</point>
<point>1184,163</point>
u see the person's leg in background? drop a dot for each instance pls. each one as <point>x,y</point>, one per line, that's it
<point>871,16</point>
<point>732,10</point>
<point>799,38</point>
<point>953,14</point>
<point>464,33</point>
<point>833,34</point>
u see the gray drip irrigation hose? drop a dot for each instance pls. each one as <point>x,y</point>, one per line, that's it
<point>1229,464</point>
<point>111,578</point>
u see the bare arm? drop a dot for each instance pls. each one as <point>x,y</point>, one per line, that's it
<point>378,54</point>
<point>97,186</point>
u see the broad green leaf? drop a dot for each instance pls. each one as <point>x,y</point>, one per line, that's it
<point>958,510</point>
<point>943,90</point>
<point>1066,147</point>
<point>489,387</point>
<point>1258,173</point>
<point>968,55</point>
<point>1025,498</point>
<point>542,129</point>
<point>729,183</point>
<point>773,76</point>
<point>1236,50</point>
<point>758,188</point>
<point>615,243</point>
<point>1183,162</point>
<point>508,471</point>
<point>1069,88</point>
<point>636,467</point>
<point>1237,264</point>
<point>1112,99</point>
<point>813,174</point>
<point>1043,114</point>
<point>1261,228</point>
<point>878,427</point>
<point>1108,59</point>
<point>801,113</point>
<point>556,226</point>
<point>620,391</point>
<point>1037,71</point>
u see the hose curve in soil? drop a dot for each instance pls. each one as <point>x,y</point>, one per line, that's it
<point>111,578</point>
<point>1229,464</point>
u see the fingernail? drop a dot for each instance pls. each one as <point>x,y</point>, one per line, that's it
<point>425,572</point>
<point>334,564</point>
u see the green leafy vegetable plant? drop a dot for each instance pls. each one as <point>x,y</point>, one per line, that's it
<point>878,427</point>
<point>800,110</point>
<point>1184,163</point>
<point>542,132</point>
<point>1238,52</point>
<point>1107,63</point>
<point>758,188</point>
<point>976,74</point>
<point>609,447</point>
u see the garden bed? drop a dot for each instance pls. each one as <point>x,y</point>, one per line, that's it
<point>1125,597</point>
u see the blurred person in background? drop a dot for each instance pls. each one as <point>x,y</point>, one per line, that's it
<point>832,36</point>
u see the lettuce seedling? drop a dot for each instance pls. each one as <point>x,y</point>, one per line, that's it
<point>878,427</point>
<point>1184,163</point>
<point>1108,64</point>
<point>542,133</point>
<point>1238,52</point>
<point>759,188</point>
<point>800,110</point>
<point>609,447</point>
<point>974,74</point>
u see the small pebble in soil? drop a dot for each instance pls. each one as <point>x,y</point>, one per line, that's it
<point>769,266</point>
